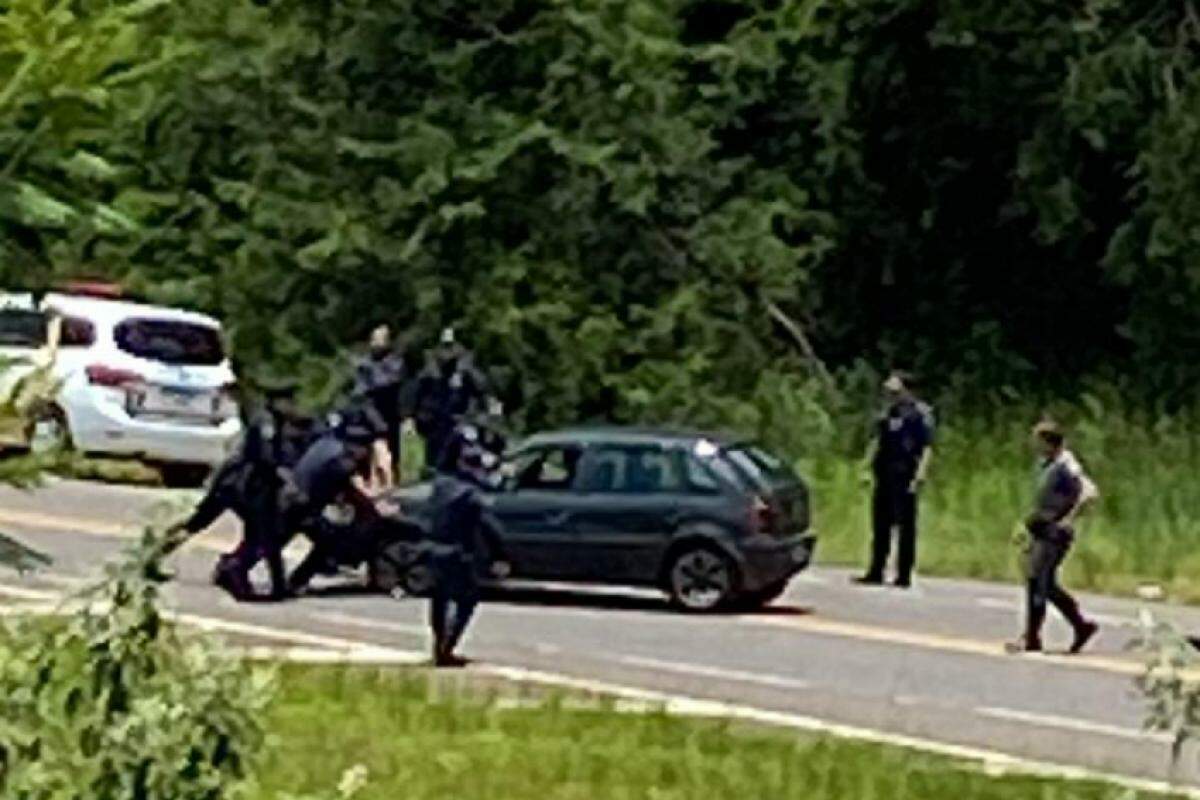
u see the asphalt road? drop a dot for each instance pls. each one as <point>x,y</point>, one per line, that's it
<point>925,664</point>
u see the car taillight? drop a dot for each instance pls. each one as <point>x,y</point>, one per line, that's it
<point>762,516</point>
<point>113,377</point>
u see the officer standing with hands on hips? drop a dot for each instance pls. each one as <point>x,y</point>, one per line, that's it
<point>460,538</point>
<point>899,461</point>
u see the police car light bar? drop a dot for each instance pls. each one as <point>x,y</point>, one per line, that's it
<point>89,288</point>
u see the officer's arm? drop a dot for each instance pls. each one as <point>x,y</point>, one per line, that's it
<point>926,434</point>
<point>923,464</point>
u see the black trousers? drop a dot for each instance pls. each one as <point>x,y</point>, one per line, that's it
<point>263,539</point>
<point>893,506</point>
<point>1045,557</point>
<point>455,598</point>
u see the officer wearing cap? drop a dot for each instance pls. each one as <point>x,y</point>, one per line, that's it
<point>448,389</point>
<point>380,377</point>
<point>249,483</point>
<point>457,533</point>
<point>899,460</point>
<point>478,430</point>
<point>330,470</point>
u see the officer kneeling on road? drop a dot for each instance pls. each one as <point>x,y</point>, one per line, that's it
<point>459,534</point>
<point>331,470</point>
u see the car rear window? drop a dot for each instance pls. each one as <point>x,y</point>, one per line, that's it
<point>171,341</point>
<point>760,467</point>
<point>22,328</point>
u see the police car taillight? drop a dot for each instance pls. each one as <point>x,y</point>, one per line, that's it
<point>111,377</point>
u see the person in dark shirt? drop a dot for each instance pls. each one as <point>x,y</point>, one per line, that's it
<point>899,461</point>
<point>448,389</point>
<point>1063,490</point>
<point>479,430</point>
<point>329,471</point>
<point>460,539</point>
<point>380,377</point>
<point>248,484</point>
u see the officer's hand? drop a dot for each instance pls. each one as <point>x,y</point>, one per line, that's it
<point>388,508</point>
<point>916,485</point>
<point>501,569</point>
<point>408,427</point>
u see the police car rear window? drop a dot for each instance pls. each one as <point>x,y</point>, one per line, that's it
<point>22,328</point>
<point>171,342</point>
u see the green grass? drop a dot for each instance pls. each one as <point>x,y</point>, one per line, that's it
<point>435,740</point>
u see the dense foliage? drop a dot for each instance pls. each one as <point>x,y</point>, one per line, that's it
<point>625,203</point>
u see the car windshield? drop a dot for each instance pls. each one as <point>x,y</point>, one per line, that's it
<point>22,328</point>
<point>171,341</point>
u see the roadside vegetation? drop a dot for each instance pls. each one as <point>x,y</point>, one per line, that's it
<point>420,738</point>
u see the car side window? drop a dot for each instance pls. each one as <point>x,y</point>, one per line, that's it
<point>633,470</point>
<point>551,469</point>
<point>701,477</point>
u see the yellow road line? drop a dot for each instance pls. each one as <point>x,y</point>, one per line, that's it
<point>806,624</point>
<point>954,644</point>
<point>54,523</point>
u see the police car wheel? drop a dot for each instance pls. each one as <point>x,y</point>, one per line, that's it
<point>700,579</point>
<point>48,432</point>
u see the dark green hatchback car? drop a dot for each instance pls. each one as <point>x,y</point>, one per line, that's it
<point>713,522</point>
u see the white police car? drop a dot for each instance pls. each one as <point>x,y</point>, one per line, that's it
<point>131,379</point>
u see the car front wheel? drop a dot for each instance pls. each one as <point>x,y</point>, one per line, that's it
<point>701,578</point>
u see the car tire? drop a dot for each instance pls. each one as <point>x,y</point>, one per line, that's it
<point>400,567</point>
<point>755,601</point>
<point>49,431</point>
<point>700,579</point>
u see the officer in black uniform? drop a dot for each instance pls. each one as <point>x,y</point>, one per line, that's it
<point>460,538</point>
<point>899,460</point>
<point>380,377</point>
<point>477,430</point>
<point>448,389</point>
<point>331,470</point>
<point>249,483</point>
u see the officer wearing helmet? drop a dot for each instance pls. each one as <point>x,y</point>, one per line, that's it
<point>461,539</point>
<point>448,389</point>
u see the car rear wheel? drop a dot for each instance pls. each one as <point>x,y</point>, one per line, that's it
<point>400,567</point>
<point>753,601</point>
<point>701,578</point>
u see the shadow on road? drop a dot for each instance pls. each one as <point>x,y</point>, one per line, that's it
<point>612,601</point>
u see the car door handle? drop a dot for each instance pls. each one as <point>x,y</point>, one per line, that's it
<point>558,517</point>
